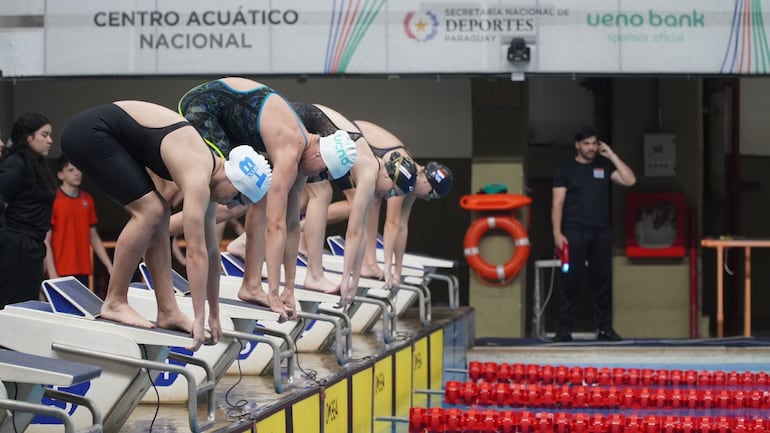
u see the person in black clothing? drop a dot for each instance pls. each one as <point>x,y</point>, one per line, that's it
<point>144,156</point>
<point>27,191</point>
<point>580,217</point>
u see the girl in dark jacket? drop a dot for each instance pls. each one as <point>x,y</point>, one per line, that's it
<point>27,191</point>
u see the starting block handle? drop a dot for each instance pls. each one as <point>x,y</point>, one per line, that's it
<point>423,294</point>
<point>343,347</point>
<point>453,287</point>
<point>192,392</point>
<point>96,415</point>
<point>388,315</point>
<point>40,409</point>
<point>279,355</point>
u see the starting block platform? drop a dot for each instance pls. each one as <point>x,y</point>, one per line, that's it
<point>315,330</point>
<point>259,340</point>
<point>368,306</point>
<point>405,296</point>
<point>427,268</point>
<point>68,327</point>
<point>378,382</point>
<point>24,386</point>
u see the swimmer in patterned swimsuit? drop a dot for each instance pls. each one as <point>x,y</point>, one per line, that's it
<point>370,177</point>
<point>133,150</point>
<point>234,110</point>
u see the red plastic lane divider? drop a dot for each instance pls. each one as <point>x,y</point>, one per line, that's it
<point>453,420</point>
<point>576,375</point>
<point>599,397</point>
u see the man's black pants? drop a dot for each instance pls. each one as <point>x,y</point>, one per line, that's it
<point>594,246</point>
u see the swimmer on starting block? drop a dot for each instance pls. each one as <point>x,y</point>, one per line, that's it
<point>139,153</point>
<point>236,110</point>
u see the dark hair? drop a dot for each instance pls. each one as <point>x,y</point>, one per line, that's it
<point>24,126</point>
<point>62,162</point>
<point>584,132</point>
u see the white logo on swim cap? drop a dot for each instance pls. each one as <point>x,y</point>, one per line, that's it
<point>249,172</point>
<point>338,152</point>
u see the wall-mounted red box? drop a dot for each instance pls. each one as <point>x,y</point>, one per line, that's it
<point>655,224</point>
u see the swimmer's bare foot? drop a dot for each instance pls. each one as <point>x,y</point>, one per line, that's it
<point>321,284</point>
<point>123,313</point>
<point>254,295</point>
<point>175,319</point>
<point>275,303</point>
<point>372,271</point>
<point>289,303</point>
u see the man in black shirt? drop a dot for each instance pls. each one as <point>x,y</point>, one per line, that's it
<point>580,217</point>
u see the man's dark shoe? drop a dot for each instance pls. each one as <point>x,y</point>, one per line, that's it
<point>608,334</point>
<point>562,336</point>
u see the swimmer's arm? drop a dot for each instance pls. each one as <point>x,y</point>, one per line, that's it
<point>397,220</point>
<point>195,209</point>
<point>285,170</point>
<point>355,235</point>
<point>214,261</point>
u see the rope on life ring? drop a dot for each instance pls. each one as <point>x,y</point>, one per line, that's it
<point>496,273</point>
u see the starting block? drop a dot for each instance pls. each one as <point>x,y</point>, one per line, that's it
<point>323,323</point>
<point>28,376</point>
<point>405,296</point>
<point>434,268</point>
<point>249,329</point>
<point>130,357</point>
<point>363,313</point>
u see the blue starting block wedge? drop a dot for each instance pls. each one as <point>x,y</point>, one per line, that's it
<point>67,295</point>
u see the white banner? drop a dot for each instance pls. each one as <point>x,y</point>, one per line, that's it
<point>157,37</point>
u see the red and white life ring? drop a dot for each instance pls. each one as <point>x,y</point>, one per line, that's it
<point>496,273</point>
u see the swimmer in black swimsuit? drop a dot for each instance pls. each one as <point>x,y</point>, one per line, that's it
<point>237,110</point>
<point>434,180</point>
<point>371,177</point>
<point>133,150</point>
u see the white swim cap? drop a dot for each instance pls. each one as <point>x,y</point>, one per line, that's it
<point>339,153</point>
<point>249,172</point>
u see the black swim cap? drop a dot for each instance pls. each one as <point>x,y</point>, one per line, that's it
<point>440,178</point>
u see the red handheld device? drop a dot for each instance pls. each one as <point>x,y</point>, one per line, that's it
<point>563,254</point>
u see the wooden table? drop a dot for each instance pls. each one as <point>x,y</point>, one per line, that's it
<point>747,245</point>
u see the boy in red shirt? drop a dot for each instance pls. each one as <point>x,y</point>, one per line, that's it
<point>73,229</point>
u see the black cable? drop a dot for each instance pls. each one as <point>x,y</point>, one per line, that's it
<point>13,412</point>
<point>311,374</point>
<point>157,400</point>
<point>242,402</point>
<point>155,388</point>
